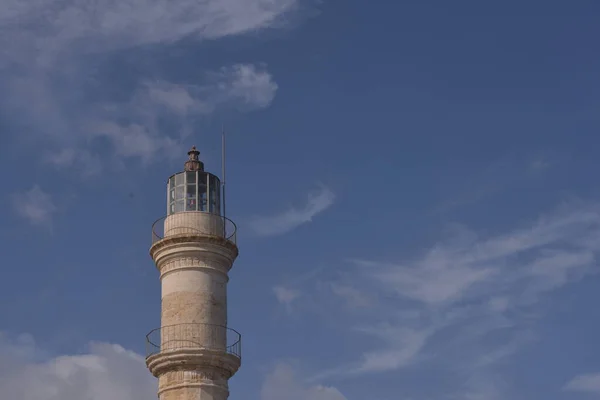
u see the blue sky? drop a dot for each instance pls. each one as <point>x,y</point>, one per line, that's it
<point>414,185</point>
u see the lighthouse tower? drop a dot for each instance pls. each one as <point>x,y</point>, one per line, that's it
<point>193,353</point>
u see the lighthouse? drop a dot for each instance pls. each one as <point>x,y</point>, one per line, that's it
<point>193,353</point>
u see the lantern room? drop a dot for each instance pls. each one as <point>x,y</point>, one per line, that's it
<point>194,189</point>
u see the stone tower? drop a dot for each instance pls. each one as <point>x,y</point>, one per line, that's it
<point>193,353</point>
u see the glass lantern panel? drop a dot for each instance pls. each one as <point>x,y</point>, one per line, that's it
<point>191,191</point>
<point>202,195</point>
<point>179,179</point>
<point>214,189</point>
<point>191,177</point>
<point>202,200</point>
<point>179,193</point>
<point>191,203</point>
<point>179,206</point>
<point>218,198</point>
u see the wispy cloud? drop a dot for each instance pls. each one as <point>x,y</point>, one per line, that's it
<point>57,69</point>
<point>589,383</point>
<point>286,296</point>
<point>282,383</point>
<point>292,218</point>
<point>244,86</point>
<point>542,257</point>
<point>134,128</point>
<point>483,387</point>
<point>35,205</point>
<point>403,345</point>
<point>469,302</point>
<point>43,31</point>
<point>352,296</point>
<point>476,185</point>
<point>538,165</point>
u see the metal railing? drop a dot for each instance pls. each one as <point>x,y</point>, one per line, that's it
<point>194,222</point>
<point>194,336</point>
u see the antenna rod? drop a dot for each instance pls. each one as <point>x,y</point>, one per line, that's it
<point>223,177</point>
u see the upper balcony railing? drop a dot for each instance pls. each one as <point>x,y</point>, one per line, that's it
<point>194,337</point>
<point>195,223</point>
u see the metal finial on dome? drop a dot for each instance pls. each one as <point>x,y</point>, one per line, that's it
<point>193,153</point>
<point>194,163</point>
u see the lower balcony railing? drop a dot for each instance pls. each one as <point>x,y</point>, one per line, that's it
<point>194,336</point>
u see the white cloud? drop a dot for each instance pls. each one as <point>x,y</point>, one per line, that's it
<point>433,280</point>
<point>539,165</point>
<point>176,98</point>
<point>135,140</point>
<point>285,295</point>
<point>70,103</point>
<point>399,347</point>
<point>353,296</point>
<point>292,218</point>
<point>243,86</point>
<point>467,303</point>
<point>484,387</point>
<point>254,88</point>
<point>589,383</point>
<point>35,205</point>
<point>403,345</point>
<point>282,383</point>
<point>107,371</point>
<point>544,256</point>
<point>132,128</point>
<point>83,160</point>
<point>44,30</point>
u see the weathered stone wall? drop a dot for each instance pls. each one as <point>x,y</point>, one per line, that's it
<point>192,385</point>
<point>194,223</point>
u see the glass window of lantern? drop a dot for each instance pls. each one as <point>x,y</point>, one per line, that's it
<point>214,190</point>
<point>202,197</point>
<point>191,203</point>
<point>171,195</point>
<point>176,193</point>
<point>179,179</point>
<point>190,177</point>
<point>218,197</point>
<point>179,193</point>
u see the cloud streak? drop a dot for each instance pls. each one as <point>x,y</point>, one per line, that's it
<point>45,30</point>
<point>467,303</point>
<point>282,383</point>
<point>243,86</point>
<point>35,205</point>
<point>588,383</point>
<point>292,218</point>
<point>286,296</point>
